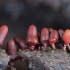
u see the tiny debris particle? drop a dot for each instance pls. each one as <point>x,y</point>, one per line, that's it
<point>52,51</point>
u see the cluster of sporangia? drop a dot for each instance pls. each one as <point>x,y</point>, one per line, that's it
<point>35,40</point>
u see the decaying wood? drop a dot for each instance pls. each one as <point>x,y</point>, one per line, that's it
<point>48,60</point>
<point>4,59</point>
<point>39,60</point>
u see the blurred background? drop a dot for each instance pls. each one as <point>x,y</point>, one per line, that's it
<point>19,14</point>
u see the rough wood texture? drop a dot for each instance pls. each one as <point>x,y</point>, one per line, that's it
<point>48,60</point>
<point>4,59</point>
<point>39,60</point>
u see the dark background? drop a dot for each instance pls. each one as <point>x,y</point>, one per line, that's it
<point>19,14</point>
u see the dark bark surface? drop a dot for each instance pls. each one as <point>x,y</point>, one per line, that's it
<point>10,68</point>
